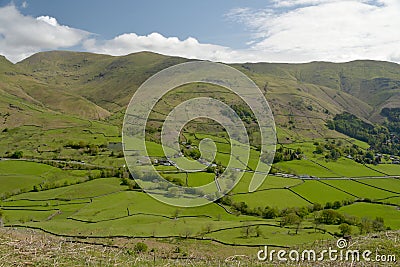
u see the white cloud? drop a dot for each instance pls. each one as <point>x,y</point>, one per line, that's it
<point>293,3</point>
<point>288,31</point>
<point>22,36</point>
<point>331,30</point>
<point>49,20</point>
<point>24,4</point>
<point>155,42</point>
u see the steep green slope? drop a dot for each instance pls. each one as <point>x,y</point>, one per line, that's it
<point>303,96</point>
<point>373,82</point>
<point>105,80</point>
<point>18,83</point>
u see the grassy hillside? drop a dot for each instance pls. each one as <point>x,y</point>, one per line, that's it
<point>303,96</point>
<point>28,247</point>
<point>61,168</point>
<point>105,80</point>
<point>375,83</point>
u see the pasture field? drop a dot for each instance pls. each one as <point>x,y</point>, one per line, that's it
<point>390,184</point>
<point>370,210</point>
<point>360,190</point>
<point>18,175</point>
<point>103,207</point>
<point>304,167</point>
<point>279,198</point>
<point>393,200</point>
<point>388,169</point>
<point>348,168</point>
<point>89,189</point>
<point>318,192</point>
<point>200,178</point>
<point>271,182</point>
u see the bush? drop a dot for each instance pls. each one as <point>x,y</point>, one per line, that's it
<point>345,229</point>
<point>17,155</point>
<point>140,247</point>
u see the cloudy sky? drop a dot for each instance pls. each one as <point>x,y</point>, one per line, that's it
<point>223,30</point>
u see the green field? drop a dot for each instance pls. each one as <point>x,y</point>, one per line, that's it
<point>348,168</point>
<point>270,182</point>
<point>87,190</point>
<point>17,176</point>
<point>104,207</point>
<point>318,192</point>
<point>280,198</point>
<point>389,169</point>
<point>305,167</point>
<point>389,213</point>
<point>360,190</point>
<point>390,184</point>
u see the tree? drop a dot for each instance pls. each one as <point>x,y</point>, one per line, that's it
<point>173,192</point>
<point>317,207</point>
<point>187,233</point>
<point>378,224</point>
<point>292,219</point>
<point>330,217</point>
<point>316,221</point>
<point>246,230</point>
<point>208,228</point>
<point>319,149</point>
<point>140,247</point>
<point>336,205</point>
<point>124,181</point>
<point>258,231</point>
<point>17,155</point>
<point>365,226</point>
<point>270,213</point>
<point>176,214</point>
<point>345,229</point>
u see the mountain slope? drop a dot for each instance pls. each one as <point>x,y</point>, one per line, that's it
<point>303,96</point>
<point>18,82</point>
<point>104,80</point>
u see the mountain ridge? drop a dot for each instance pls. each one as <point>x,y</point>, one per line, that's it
<point>95,86</point>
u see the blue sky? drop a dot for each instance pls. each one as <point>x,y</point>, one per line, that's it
<point>204,20</point>
<point>223,30</point>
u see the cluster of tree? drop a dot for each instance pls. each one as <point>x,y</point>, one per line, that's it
<point>392,114</point>
<point>330,149</point>
<point>287,154</point>
<point>192,152</point>
<point>323,215</point>
<point>365,225</point>
<point>264,212</point>
<point>218,169</point>
<point>377,136</point>
<point>17,155</point>
<point>91,149</point>
<point>334,149</point>
<point>248,230</point>
<point>393,121</point>
<point>114,172</point>
<point>244,113</point>
<point>51,185</point>
<point>132,185</point>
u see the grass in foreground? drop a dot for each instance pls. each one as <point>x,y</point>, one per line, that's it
<point>20,247</point>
